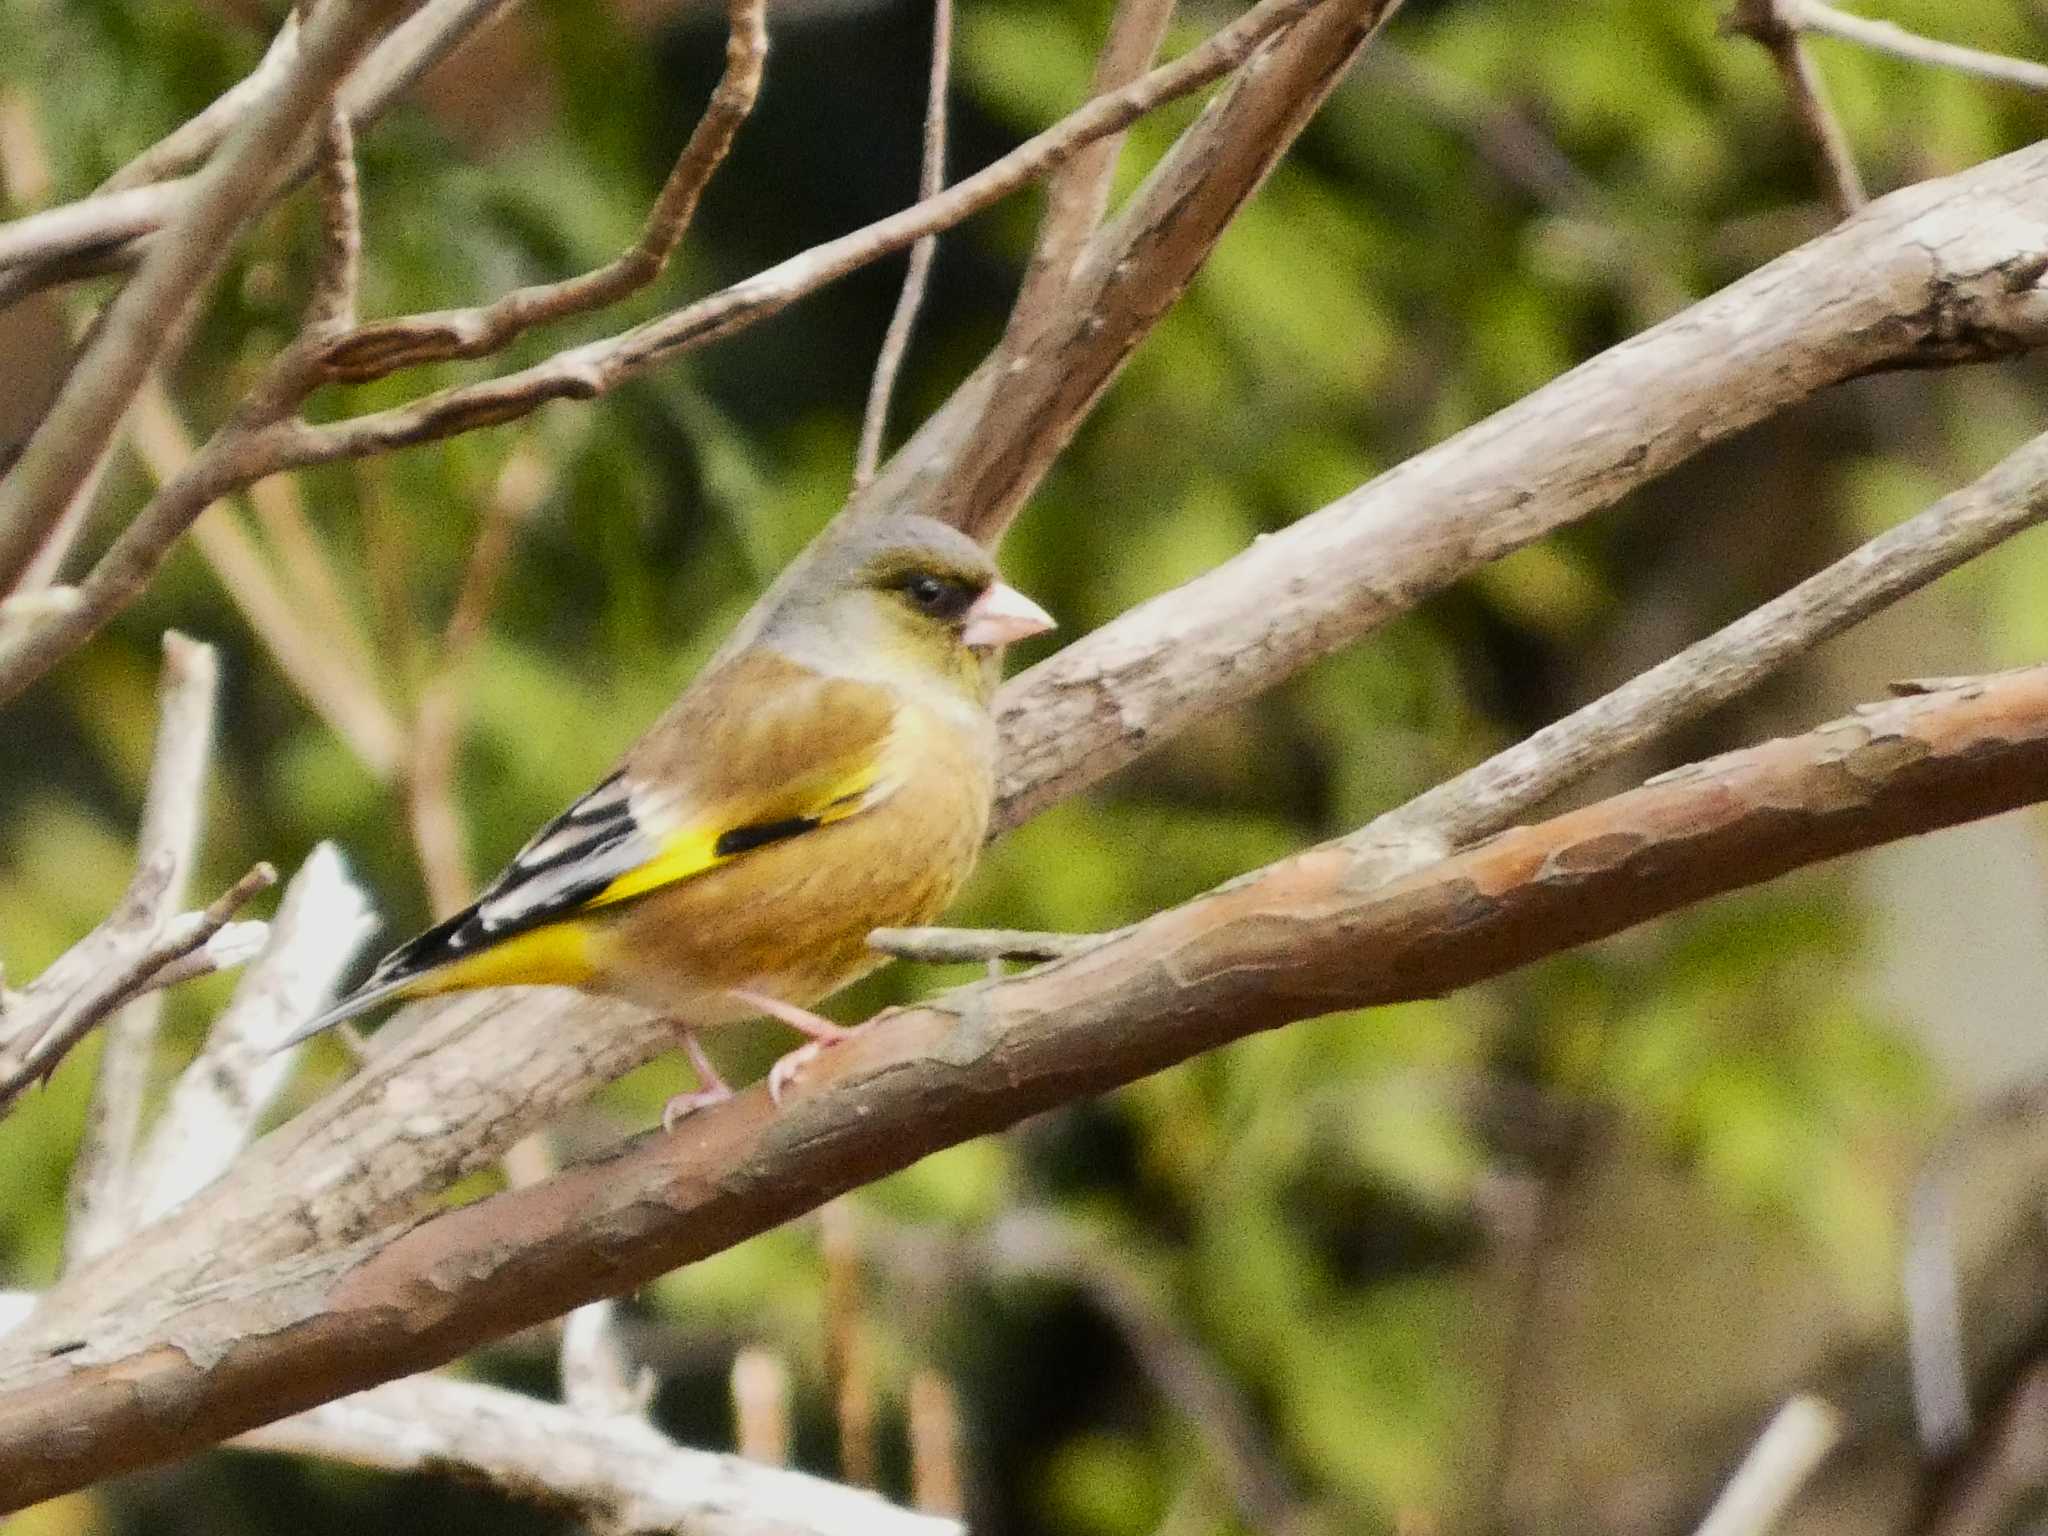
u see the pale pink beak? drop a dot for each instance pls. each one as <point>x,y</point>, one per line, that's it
<point>1002,615</point>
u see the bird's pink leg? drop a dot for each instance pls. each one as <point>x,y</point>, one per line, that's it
<point>711,1087</point>
<point>824,1034</point>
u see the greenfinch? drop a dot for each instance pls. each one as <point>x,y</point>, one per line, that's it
<point>829,773</point>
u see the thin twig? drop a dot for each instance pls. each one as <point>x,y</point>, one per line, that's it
<point>2007,499</point>
<point>1996,1489</point>
<point>931,178</point>
<point>975,461</point>
<point>71,227</point>
<point>1931,1268</point>
<point>760,1407</point>
<point>938,1485</point>
<point>315,642</point>
<point>332,308</point>
<point>170,954</point>
<point>108,234</point>
<point>1785,1455</point>
<point>263,443</point>
<point>429,774</point>
<point>166,847</point>
<point>382,347</point>
<point>97,974</point>
<point>1889,37</point>
<point>1768,22</point>
<point>595,1376</point>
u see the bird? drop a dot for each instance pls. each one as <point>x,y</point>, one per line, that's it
<point>830,772</point>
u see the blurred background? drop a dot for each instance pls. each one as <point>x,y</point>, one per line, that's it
<point>1539,1256</point>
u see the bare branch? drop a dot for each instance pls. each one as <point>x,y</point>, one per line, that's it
<point>96,1198</point>
<point>1302,938</point>
<point>308,632</point>
<point>1997,1487</point>
<point>1784,1457</point>
<point>760,1406</point>
<point>1769,24</point>
<point>382,347</point>
<point>153,305</point>
<point>977,460</point>
<point>189,144</point>
<point>1889,37</point>
<point>1572,448</point>
<point>849,1350</point>
<point>629,1478</point>
<point>1077,195</point>
<point>437,718</point>
<point>932,1420</point>
<point>106,233</point>
<point>166,845</point>
<point>216,1103</point>
<point>1923,272</point>
<point>589,370</point>
<point>72,227</point>
<point>2008,499</point>
<point>595,1378</point>
<point>332,308</point>
<point>931,178</point>
<point>106,967</point>
<point>170,953</point>
<point>266,444</point>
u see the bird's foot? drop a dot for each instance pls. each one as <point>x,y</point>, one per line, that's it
<point>802,1020</point>
<point>785,1071</point>
<point>685,1104</point>
<point>711,1087</point>
<point>824,1034</point>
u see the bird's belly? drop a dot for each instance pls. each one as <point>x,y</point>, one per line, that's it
<point>796,921</point>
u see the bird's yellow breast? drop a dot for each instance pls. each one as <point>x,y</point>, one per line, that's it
<point>792,918</point>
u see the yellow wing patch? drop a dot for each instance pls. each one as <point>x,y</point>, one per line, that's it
<point>691,851</point>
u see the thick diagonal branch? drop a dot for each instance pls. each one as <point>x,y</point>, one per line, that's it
<point>170,1372</point>
<point>1927,272</point>
<point>1936,272</point>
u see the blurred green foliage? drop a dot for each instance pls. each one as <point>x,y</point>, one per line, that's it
<point>1319,1210</point>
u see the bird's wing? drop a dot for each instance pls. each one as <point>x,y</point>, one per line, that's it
<point>762,751</point>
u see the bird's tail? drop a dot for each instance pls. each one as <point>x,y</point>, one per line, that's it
<point>372,992</point>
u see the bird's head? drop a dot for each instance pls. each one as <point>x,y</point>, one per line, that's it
<point>902,598</point>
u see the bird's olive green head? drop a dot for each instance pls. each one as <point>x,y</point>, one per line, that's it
<point>897,598</point>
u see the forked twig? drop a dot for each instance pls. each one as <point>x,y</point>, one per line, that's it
<point>1774,25</point>
<point>903,320</point>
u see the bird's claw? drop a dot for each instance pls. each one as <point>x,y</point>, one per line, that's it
<point>785,1071</point>
<point>685,1104</point>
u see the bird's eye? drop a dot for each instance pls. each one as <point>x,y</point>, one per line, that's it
<point>937,596</point>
